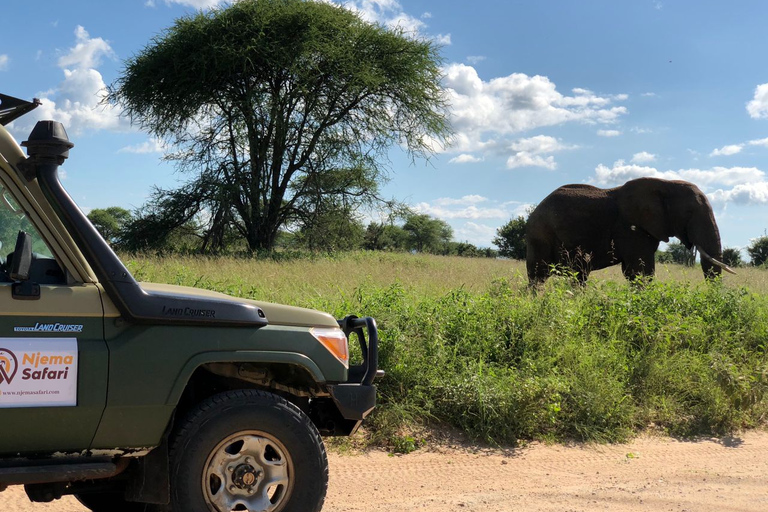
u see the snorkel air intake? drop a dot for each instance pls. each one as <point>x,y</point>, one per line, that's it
<point>48,146</point>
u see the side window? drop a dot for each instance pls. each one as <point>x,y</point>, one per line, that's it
<point>44,269</point>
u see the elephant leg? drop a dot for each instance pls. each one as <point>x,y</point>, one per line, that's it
<point>539,258</point>
<point>639,267</point>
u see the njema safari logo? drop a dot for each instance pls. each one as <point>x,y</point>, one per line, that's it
<point>9,365</point>
<point>38,372</point>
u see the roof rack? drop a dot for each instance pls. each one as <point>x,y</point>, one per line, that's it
<point>13,108</point>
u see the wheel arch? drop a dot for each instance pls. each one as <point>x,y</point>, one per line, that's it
<point>200,361</point>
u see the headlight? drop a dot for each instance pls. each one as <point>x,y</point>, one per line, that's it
<point>334,340</point>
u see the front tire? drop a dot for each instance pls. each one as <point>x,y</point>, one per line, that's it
<point>248,450</point>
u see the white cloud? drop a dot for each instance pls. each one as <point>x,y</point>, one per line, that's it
<point>531,152</point>
<point>648,95</point>
<point>734,149</point>
<point>608,133</point>
<point>476,59</point>
<point>748,193</point>
<point>388,13</point>
<point>151,146</point>
<point>462,201</point>
<point>476,234</point>
<point>443,39</point>
<point>197,4</point>
<point>731,184</point>
<point>468,212</point>
<point>87,52</point>
<point>527,160</point>
<point>473,211</point>
<point>4,61</point>
<point>758,107</point>
<point>539,144</point>
<point>643,157</point>
<point>473,207</point>
<point>77,101</point>
<point>464,158</point>
<point>481,111</point>
<point>622,172</point>
<point>729,150</point>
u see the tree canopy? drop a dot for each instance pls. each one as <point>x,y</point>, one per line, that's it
<point>678,253</point>
<point>510,239</point>
<point>758,250</point>
<point>110,221</point>
<point>427,234</point>
<point>268,98</point>
<point>732,257</point>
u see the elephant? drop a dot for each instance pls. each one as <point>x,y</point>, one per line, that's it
<point>586,228</point>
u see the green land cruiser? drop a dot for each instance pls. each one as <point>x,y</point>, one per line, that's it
<point>136,396</point>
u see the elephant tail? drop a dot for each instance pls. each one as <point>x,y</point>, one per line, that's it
<point>714,261</point>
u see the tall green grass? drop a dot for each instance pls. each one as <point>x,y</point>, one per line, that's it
<point>465,343</point>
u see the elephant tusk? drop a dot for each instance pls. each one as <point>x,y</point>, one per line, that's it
<point>714,261</point>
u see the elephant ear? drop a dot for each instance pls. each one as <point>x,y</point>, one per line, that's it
<point>643,207</point>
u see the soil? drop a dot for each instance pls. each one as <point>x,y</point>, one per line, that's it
<point>648,474</point>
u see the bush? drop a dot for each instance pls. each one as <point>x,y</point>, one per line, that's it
<point>510,239</point>
<point>732,257</point>
<point>598,364</point>
<point>676,253</point>
<point>758,250</point>
<point>595,363</point>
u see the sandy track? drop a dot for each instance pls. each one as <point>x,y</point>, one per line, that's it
<point>649,474</point>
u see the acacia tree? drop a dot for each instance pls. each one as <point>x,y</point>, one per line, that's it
<point>264,96</point>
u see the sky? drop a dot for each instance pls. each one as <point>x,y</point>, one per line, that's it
<point>542,93</point>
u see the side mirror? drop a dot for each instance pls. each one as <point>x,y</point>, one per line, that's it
<point>22,257</point>
<point>23,289</point>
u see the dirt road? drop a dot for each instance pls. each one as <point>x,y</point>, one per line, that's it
<point>649,474</point>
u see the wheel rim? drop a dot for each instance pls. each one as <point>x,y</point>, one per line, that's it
<point>250,471</point>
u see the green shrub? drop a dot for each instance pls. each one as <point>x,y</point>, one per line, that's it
<point>501,363</point>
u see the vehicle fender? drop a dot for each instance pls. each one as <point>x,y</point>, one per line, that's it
<point>240,356</point>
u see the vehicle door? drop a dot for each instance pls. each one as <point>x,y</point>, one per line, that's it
<point>53,358</point>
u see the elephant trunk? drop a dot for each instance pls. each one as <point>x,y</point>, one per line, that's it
<point>710,259</point>
<point>703,233</point>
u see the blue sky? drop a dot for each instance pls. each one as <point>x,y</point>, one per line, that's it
<point>543,93</point>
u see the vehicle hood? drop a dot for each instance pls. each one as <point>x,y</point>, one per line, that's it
<point>277,314</point>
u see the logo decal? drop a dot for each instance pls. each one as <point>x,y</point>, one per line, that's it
<point>9,365</point>
<point>38,327</point>
<point>38,372</point>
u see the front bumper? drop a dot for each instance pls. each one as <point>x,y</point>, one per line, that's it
<point>356,398</point>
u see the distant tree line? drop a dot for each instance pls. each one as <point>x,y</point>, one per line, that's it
<point>331,231</point>
<point>341,229</point>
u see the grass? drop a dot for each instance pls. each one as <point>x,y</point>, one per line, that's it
<point>465,344</point>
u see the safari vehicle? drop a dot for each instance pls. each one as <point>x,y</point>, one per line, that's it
<point>126,394</point>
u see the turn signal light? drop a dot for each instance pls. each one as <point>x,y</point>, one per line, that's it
<point>334,340</point>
